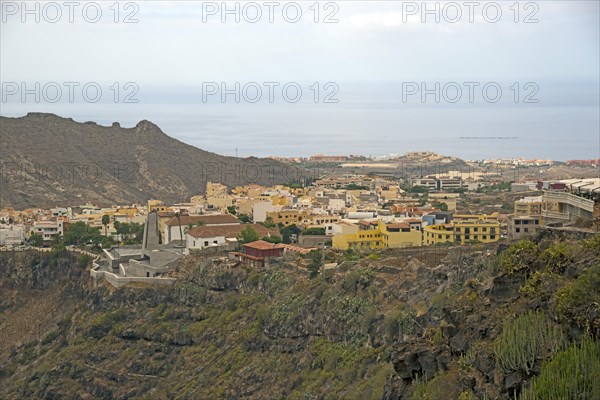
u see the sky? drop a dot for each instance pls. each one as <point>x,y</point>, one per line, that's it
<point>360,77</point>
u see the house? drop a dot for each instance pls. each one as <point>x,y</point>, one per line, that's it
<point>172,232</point>
<point>258,253</point>
<point>529,206</point>
<point>260,209</point>
<point>438,233</point>
<point>342,228</point>
<point>523,226</point>
<point>288,216</point>
<point>225,236</point>
<point>12,235</point>
<point>463,231</point>
<point>378,235</point>
<point>414,223</point>
<point>579,200</point>
<point>156,205</point>
<point>48,229</point>
<point>320,221</point>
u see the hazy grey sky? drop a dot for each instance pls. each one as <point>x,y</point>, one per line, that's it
<point>172,45</point>
<point>177,45</point>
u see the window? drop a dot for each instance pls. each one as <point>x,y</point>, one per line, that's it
<point>206,242</point>
<point>475,229</point>
<point>518,230</point>
<point>526,229</point>
<point>484,237</point>
<point>492,237</point>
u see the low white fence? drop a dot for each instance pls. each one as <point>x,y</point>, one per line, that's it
<point>119,281</point>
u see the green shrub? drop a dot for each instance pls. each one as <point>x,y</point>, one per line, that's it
<point>358,279</point>
<point>592,243</point>
<point>400,323</point>
<point>541,284</point>
<point>519,256</point>
<point>571,374</point>
<point>351,254</point>
<point>557,257</point>
<point>444,385</point>
<point>525,339</point>
<point>579,301</point>
<point>83,260</point>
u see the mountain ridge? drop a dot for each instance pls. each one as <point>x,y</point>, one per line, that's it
<point>49,160</point>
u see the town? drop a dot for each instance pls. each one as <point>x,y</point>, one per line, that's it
<point>344,211</point>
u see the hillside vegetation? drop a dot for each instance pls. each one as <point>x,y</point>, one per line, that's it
<point>488,322</point>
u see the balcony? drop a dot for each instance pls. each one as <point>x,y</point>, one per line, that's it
<point>568,198</point>
<point>555,215</point>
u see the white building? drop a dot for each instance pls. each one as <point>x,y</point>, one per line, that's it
<point>337,204</point>
<point>259,210</point>
<point>11,235</point>
<point>172,232</point>
<point>48,229</point>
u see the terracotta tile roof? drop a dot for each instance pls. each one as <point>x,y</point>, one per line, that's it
<point>401,225</point>
<point>264,245</point>
<point>207,219</point>
<point>412,220</point>
<point>229,231</point>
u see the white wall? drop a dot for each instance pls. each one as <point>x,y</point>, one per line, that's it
<point>259,211</point>
<point>201,243</point>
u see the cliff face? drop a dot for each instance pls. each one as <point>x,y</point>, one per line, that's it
<point>395,325</point>
<point>37,291</point>
<point>25,270</point>
<point>48,160</point>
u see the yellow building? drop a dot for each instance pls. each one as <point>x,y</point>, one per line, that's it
<point>282,200</point>
<point>156,205</point>
<point>288,217</point>
<point>220,202</point>
<point>245,206</point>
<point>130,212</point>
<point>463,231</point>
<point>389,192</point>
<point>479,230</point>
<point>436,234</point>
<point>460,217</point>
<point>529,206</point>
<point>320,220</point>
<point>377,235</point>
<point>215,189</point>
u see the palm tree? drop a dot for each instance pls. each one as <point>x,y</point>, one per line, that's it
<point>105,222</point>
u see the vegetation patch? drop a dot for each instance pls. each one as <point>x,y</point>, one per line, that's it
<point>571,374</point>
<point>526,339</point>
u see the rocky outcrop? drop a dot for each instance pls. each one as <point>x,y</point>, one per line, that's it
<point>415,358</point>
<point>38,270</point>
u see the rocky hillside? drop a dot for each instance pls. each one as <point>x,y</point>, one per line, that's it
<point>48,160</point>
<point>492,322</point>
